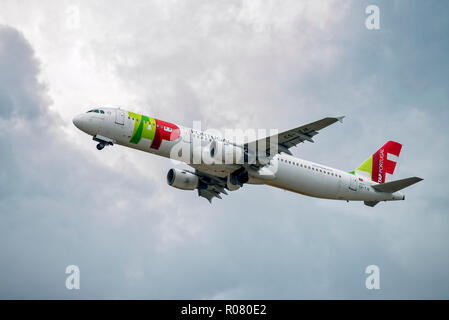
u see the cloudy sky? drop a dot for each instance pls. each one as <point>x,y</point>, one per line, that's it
<point>238,64</point>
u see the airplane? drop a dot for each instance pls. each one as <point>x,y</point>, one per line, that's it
<point>278,168</point>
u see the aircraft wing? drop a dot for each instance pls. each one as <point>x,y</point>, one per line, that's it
<point>287,139</point>
<point>210,186</point>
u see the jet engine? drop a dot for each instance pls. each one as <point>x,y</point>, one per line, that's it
<point>200,155</point>
<point>237,179</point>
<point>224,153</point>
<point>181,179</point>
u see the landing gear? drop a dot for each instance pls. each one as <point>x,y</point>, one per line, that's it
<point>102,141</point>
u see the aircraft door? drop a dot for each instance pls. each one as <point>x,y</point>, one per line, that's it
<point>353,183</point>
<point>120,116</point>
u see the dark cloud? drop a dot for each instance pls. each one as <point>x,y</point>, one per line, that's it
<point>20,91</point>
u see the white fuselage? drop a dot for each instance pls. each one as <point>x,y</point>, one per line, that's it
<point>289,173</point>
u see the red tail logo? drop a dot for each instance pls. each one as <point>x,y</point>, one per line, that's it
<point>382,165</point>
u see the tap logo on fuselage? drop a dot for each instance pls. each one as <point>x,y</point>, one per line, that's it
<point>152,129</point>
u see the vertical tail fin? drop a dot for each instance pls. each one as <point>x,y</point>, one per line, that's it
<point>380,162</point>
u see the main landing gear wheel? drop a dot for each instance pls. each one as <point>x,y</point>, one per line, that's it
<point>100,146</point>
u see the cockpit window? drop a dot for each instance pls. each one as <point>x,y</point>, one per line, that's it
<point>96,111</point>
<point>101,111</point>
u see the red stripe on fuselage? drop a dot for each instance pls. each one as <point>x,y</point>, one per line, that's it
<point>163,134</point>
<point>156,143</point>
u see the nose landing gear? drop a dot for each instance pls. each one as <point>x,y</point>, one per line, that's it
<point>103,141</point>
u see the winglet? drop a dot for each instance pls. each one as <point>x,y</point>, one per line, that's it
<point>341,118</point>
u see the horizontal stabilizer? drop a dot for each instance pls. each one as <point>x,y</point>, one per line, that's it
<point>396,185</point>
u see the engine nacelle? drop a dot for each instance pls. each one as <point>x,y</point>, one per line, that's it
<point>237,179</point>
<point>225,153</point>
<point>200,155</point>
<point>181,179</point>
<point>230,184</point>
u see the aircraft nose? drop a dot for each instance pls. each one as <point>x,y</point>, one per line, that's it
<point>80,122</point>
<point>77,121</point>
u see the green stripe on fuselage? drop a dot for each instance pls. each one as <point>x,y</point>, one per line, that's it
<point>144,127</point>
